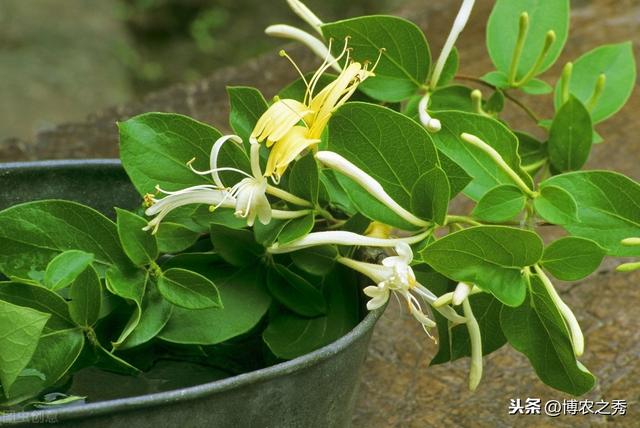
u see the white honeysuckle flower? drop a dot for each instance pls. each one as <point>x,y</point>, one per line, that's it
<point>203,194</point>
<point>394,275</point>
<point>306,14</point>
<point>368,183</point>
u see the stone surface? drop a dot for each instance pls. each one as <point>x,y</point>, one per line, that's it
<point>398,387</point>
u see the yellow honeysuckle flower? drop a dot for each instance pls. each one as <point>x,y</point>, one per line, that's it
<point>290,126</point>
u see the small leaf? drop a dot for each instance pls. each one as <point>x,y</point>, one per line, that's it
<point>296,229</point>
<point>154,315</point>
<point>537,87</point>
<point>65,267</point>
<point>500,204</point>
<point>86,298</point>
<point>247,105</point>
<point>317,261</point>
<point>245,299</point>
<point>538,330</point>
<point>128,284</point>
<point>20,330</point>
<point>189,290</point>
<point>237,247</point>
<point>303,179</point>
<point>497,79</point>
<point>495,103</point>
<point>530,150</point>
<point>572,258</point>
<point>570,136</point>
<point>173,237</point>
<point>140,245</point>
<point>41,299</point>
<point>405,59</point>
<point>556,205</point>
<point>491,257</point>
<point>617,63</point>
<point>295,292</point>
<point>267,234</point>
<point>430,196</point>
<point>450,68</point>
<point>608,207</point>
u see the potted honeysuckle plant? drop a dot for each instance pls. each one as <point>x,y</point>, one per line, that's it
<point>245,249</point>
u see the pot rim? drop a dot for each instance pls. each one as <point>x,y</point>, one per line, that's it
<point>182,394</point>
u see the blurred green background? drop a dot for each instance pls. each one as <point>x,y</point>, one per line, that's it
<point>61,60</point>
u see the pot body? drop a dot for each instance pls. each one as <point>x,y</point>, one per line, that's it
<point>315,390</point>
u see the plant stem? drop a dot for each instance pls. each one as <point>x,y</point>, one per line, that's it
<point>288,197</point>
<point>461,219</point>
<point>475,372</point>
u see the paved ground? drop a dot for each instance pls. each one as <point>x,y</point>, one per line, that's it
<point>398,387</point>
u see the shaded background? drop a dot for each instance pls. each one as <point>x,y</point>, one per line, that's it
<point>62,59</point>
<point>398,387</point>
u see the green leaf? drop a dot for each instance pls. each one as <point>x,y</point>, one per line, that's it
<point>450,68</point>
<point>405,60</point>
<point>336,196</point>
<point>457,177</point>
<point>65,267</point>
<point>289,335</point>
<point>154,315</point>
<point>617,63</point>
<point>476,163</point>
<point>538,330</point>
<point>246,301</point>
<point>556,205</point>
<point>572,258</point>
<point>453,97</point>
<point>247,105</point>
<point>369,206</point>
<point>500,204</point>
<point>502,32</point>
<point>491,257</point>
<point>41,299</point>
<point>317,261</point>
<point>20,330</point>
<point>537,87</point>
<point>495,103</point>
<point>530,150</point>
<point>267,234</point>
<point>570,136</point>
<point>140,245</point>
<point>54,356</point>
<point>296,228</point>
<point>128,284</point>
<point>303,179</point>
<point>387,145</point>
<point>608,206</point>
<point>237,247</point>
<point>430,196</point>
<point>155,149</point>
<point>295,292</point>
<point>86,298</point>
<point>174,237</point>
<point>497,79</point>
<point>25,249</point>
<point>188,290</point>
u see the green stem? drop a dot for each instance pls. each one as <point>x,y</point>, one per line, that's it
<point>523,29</point>
<point>460,219</point>
<point>534,166</point>
<point>288,197</point>
<point>549,38</point>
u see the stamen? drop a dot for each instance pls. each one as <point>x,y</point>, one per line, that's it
<point>284,54</point>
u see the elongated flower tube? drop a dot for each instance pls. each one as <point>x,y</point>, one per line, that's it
<point>203,194</point>
<point>289,127</point>
<point>306,14</point>
<point>431,124</point>
<point>339,237</point>
<point>316,45</point>
<point>343,166</point>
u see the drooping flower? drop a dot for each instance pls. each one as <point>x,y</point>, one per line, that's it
<point>289,126</point>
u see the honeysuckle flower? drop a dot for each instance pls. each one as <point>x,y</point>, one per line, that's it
<point>203,194</point>
<point>289,127</point>
<point>368,183</point>
<point>306,14</point>
<point>378,230</point>
<point>316,45</point>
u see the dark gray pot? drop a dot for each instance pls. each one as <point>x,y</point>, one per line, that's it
<point>315,390</point>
